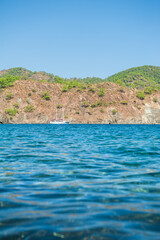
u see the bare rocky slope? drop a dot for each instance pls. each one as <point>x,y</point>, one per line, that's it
<point>23,103</point>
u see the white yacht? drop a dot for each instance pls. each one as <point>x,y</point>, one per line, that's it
<point>59,121</point>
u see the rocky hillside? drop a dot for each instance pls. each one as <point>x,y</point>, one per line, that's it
<point>36,101</point>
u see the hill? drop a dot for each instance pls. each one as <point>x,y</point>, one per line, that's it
<point>33,97</point>
<point>138,77</point>
<point>22,73</point>
<point>28,101</point>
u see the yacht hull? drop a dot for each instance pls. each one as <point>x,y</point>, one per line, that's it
<point>59,122</point>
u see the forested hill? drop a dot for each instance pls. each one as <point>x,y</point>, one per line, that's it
<point>138,77</point>
<point>22,73</point>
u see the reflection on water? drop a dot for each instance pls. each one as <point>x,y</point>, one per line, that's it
<point>79,182</point>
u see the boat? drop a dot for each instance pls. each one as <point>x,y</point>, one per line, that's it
<point>59,121</point>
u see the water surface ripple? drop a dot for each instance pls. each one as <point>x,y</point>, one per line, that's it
<point>80,182</point>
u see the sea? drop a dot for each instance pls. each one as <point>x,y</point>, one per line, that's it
<point>82,182</point>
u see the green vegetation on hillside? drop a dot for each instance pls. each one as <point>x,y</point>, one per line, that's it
<point>145,77</point>
<point>45,95</point>
<point>7,81</point>
<point>29,108</point>
<point>101,92</point>
<point>19,71</point>
<point>85,104</point>
<point>114,111</point>
<point>9,96</point>
<point>11,112</point>
<point>124,102</point>
<point>16,105</point>
<point>141,95</point>
<point>138,77</point>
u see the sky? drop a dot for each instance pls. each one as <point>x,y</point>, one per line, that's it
<point>79,38</point>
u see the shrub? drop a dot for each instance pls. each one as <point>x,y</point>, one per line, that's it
<point>106,104</point>
<point>119,82</point>
<point>29,108</point>
<point>29,94</point>
<point>99,103</point>
<point>148,90</point>
<point>65,88</point>
<point>102,110</point>
<point>89,112</point>
<point>85,104</point>
<point>141,95</point>
<point>155,99</point>
<point>16,105</point>
<point>114,111</point>
<point>92,89</point>
<point>77,112</point>
<point>79,90</point>
<point>121,90</point>
<point>42,80</point>
<point>7,81</point>
<point>58,79</point>
<point>75,84</point>
<point>11,112</point>
<point>33,90</point>
<point>24,77</point>
<point>124,102</point>
<point>83,86</point>
<point>59,106</point>
<point>93,105</point>
<point>45,95</point>
<point>89,85</point>
<point>9,96</point>
<point>70,85</point>
<point>101,92</point>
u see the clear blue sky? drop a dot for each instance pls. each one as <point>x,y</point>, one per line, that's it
<point>79,38</point>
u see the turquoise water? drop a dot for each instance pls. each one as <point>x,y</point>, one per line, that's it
<point>80,182</point>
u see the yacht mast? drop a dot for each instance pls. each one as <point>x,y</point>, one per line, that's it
<point>63,114</point>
